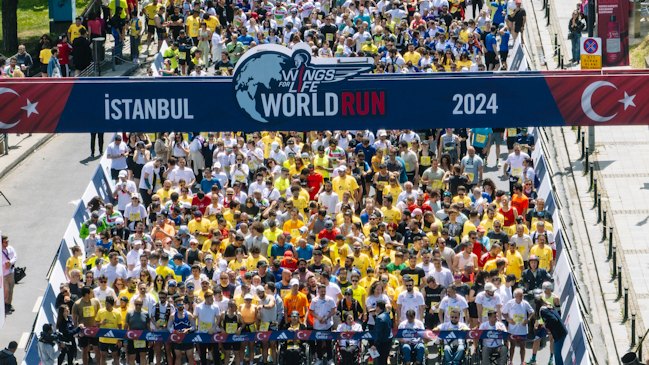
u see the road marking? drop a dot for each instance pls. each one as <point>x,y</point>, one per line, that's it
<point>23,340</point>
<point>39,300</point>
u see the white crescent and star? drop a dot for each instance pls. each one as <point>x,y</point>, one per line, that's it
<point>587,107</point>
<point>30,108</point>
<point>174,337</point>
<point>129,333</point>
<point>473,334</point>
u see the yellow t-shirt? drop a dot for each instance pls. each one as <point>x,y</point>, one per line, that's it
<point>321,161</point>
<point>113,321</point>
<point>252,262</point>
<point>282,184</point>
<point>203,227</point>
<point>466,200</point>
<point>74,31</point>
<point>212,22</point>
<point>392,215</point>
<point>468,227</point>
<point>544,255</point>
<point>164,195</point>
<point>268,142</point>
<point>362,263</point>
<point>73,263</point>
<point>514,262</point>
<point>163,271</point>
<point>394,191</point>
<point>358,294</point>
<point>234,265</point>
<point>300,203</point>
<point>367,282</point>
<point>193,25</point>
<point>293,228</point>
<point>45,55</point>
<point>347,184</point>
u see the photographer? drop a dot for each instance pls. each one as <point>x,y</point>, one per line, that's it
<point>46,343</point>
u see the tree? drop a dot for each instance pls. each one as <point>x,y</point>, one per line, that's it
<point>9,25</point>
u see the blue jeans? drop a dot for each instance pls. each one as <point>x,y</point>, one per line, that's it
<point>454,358</point>
<point>558,345</point>
<point>576,44</point>
<point>407,351</point>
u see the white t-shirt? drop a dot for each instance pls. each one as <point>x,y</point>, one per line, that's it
<point>148,168</point>
<point>332,291</point>
<point>116,150</point>
<point>491,343</point>
<point>124,197</point>
<point>322,308</point>
<point>101,295</point>
<point>523,245</point>
<point>112,273</point>
<point>206,316</point>
<point>197,282</point>
<point>370,302</point>
<point>134,214</point>
<point>444,277</point>
<point>447,304</point>
<point>329,201</point>
<point>517,312</point>
<point>487,304</point>
<point>178,174</point>
<point>412,301</point>
<point>516,163</point>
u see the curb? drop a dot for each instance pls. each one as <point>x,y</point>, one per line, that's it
<point>26,154</point>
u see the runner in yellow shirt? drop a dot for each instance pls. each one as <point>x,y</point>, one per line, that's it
<point>110,318</point>
<point>344,182</point>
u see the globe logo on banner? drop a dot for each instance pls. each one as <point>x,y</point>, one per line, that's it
<point>272,83</point>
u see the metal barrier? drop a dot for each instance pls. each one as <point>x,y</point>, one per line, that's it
<point>4,144</point>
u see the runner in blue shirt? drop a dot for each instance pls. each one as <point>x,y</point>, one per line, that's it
<point>481,141</point>
<point>491,45</point>
<point>504,45</point>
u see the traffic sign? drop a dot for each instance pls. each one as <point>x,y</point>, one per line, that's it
<point>591,53</point>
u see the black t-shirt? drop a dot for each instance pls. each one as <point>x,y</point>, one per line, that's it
<point>316,269</point>
<point>418,271</point>
<point>502,237</point>
<point>410,237</point>
<point>228,291</point>
<point>175,30</point>
<point>448,18</point>
<point>463,290</point>
<point>518,17</point>
<point>433,295</point>
<point>330,29</point>
<point>230,251</point>
<point>268,278</point>
<point>455,181</point>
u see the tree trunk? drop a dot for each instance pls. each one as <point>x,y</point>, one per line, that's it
<point>9,26</point>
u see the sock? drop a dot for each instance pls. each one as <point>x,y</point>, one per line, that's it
<point>533,357</point>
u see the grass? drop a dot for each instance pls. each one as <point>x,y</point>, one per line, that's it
<point>34,21</point>
<point>638,53</point>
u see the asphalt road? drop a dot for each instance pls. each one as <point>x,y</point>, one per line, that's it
<point>41,190</point>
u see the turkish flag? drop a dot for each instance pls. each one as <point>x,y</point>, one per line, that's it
<point>33,106</point>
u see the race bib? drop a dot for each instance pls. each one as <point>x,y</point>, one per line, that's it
<point>485,311</point>
<point>252,327</point>
<point>480,138</point>
<point>204,326</point>
<point>511,132</point>
<point>223,69</point>
<point>521,249</point>
<point>284,292</point>
<point>182,56</point>
<point>263,327</point>
<point>134,217</point>
<point>436,305</point>
<point>138,344</point>
<point>295,232</point>
<point>519,318</point>
<point>266,33</point>
<point>517,171</point>
<point>240,178</point>
<point>415,277</point>
<point>382,184</point>
<point>178,278</point>
<point>449,148</point>
<point>437,184</point>
<point>330,37</point>
<point>407,166</point>
<point>89,311</point>
<point>471,176</point>
<point>425,160</point>
<point>162,322</point>
<point>231,328</point>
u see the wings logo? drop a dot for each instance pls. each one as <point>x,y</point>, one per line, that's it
<point>322,336</point>
<point>150,336</point>
<point>275,83</point>
<point>407,334</point>
<point>239,338</point>
<point>493,334</point>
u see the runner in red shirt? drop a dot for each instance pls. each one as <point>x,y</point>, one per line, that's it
<point>64,55</point>
<point>202,201</point>
<point>314,181</point>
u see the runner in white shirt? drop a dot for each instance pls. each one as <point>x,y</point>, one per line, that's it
<point>207,316</point>
<point>410,300</point>
<point>124,189</point>
<point>103,291</point>
<point>452,355</point>
<point>491,346</point>
<point>452,301</point>
<point>323,309</point>
<point>518,313</point>
<point>486,301</point>
<point>415,343</point>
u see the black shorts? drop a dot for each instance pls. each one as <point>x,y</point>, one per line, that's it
<point>510,142</point>
<point>503,55</point>
<point>85,341</point>
<point>44,68</point>
<point>231,346</point>
<point>132,350</point>
<point>473,310</point>
<point>137,169</point>
<point>182,62</point>
<point>490,58</point>
<point>183,346</point>
<point>106,347</point>
<point>411,176</point>
<point>151,29</point>
<point>114,174</point>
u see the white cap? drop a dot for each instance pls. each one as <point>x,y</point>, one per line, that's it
<point>123,173</point>
<point>382,132</point>
<point>343,168</point>
<point>490,287</point>
<point>274,146</point>
<point>134,195</point>
<point>217,165</point>
<point>92,229</point>
<point>223,265</point>
<point>248,296</point>
<point>294,282</point>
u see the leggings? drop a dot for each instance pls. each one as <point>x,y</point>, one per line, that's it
<point>70,351</point>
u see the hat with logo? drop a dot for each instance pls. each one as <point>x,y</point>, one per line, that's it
<point>329,224</point>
